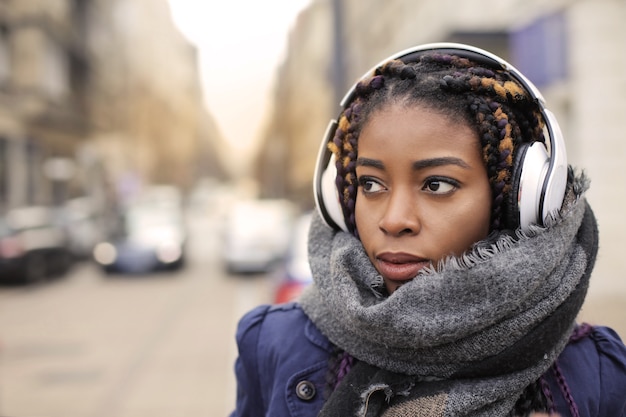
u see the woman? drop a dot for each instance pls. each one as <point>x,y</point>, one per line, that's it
<point>450,258</point>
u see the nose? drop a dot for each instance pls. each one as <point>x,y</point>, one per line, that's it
<point>401,216</point>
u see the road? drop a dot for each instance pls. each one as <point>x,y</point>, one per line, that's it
<point>88,345</point>
<point>161,345</point>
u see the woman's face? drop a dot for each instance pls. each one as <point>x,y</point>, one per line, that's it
<point>423,190</point>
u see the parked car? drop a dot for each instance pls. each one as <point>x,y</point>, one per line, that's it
<point>295,276</point>
<point>33,245</point>
<point>84,224</point>
<point>14,259</point>
<point>148,238</point>
<point>256,235</point>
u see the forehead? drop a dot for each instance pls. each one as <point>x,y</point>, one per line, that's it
<point>416,129</point>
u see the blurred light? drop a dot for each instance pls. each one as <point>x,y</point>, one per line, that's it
<point>169,252</point>
<point>59,169</point>
<point>11,248</point>
<point>105,253</point>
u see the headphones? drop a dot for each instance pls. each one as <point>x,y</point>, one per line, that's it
<point>539,174</point>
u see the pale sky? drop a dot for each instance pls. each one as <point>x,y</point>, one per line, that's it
<point>240,43</point>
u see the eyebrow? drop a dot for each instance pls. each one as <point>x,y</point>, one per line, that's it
<point>417,165</point>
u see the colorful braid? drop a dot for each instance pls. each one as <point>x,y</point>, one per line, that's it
<point>492,102</point>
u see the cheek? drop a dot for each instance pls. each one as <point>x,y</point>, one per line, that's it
<point>475,232</point>
<point>359,217</point>
<point>471,224</point>
<point>364,219</point>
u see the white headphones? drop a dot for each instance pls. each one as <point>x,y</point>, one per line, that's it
<point>539,172</point>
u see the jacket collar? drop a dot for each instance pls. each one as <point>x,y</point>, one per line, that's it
<point>316,337</point>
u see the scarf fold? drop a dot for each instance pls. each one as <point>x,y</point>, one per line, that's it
<point>463,338</point>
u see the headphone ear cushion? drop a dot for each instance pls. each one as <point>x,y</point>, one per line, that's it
<point>329,203</point>
<point>511,214</point>
<point>324,188</point>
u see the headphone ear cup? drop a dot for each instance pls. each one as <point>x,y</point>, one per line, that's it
<point>526,197</point>
<point>555,184</point>
<point>330,205</point>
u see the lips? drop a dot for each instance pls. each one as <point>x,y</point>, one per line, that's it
<point>400,266</point>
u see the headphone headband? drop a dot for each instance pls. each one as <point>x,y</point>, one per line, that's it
<point>472,53</point>
<point>550,191</point>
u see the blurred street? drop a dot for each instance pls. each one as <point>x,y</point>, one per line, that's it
<point>90,345</point>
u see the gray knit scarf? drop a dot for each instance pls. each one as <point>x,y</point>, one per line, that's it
<point>464,338</point>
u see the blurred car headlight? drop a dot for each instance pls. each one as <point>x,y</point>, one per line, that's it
<point>169,252</point>
<point>11,248</point>
<point>105,253</point>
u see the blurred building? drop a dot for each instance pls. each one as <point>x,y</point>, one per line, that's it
<point>303,104</point>
<point>43,85</point>
<point>148,109</point>
<point>572,50</point>
<point>97,96</point>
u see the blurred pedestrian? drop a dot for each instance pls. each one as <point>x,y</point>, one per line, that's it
<point>451,255</point>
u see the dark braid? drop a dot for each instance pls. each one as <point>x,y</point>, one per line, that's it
<point>491,102</point>
<point>331,373</point>
<point>532,400</point>
<point>339,364</point>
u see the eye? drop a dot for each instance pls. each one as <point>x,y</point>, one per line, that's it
<point>440,186</point>
<point>370,185</point>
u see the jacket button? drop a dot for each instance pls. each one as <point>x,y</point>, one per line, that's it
<point>305,390</point>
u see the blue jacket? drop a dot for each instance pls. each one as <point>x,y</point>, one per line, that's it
<point>283,359</point>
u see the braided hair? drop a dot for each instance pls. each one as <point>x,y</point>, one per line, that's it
<point>492,102</point>
<point>532,400</point>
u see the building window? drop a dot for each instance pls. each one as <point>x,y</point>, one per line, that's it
<point>55,71</point>
<point>539,50</point>
<point>5,65</point>
<point>3,173</point>
<point>33,173</point>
